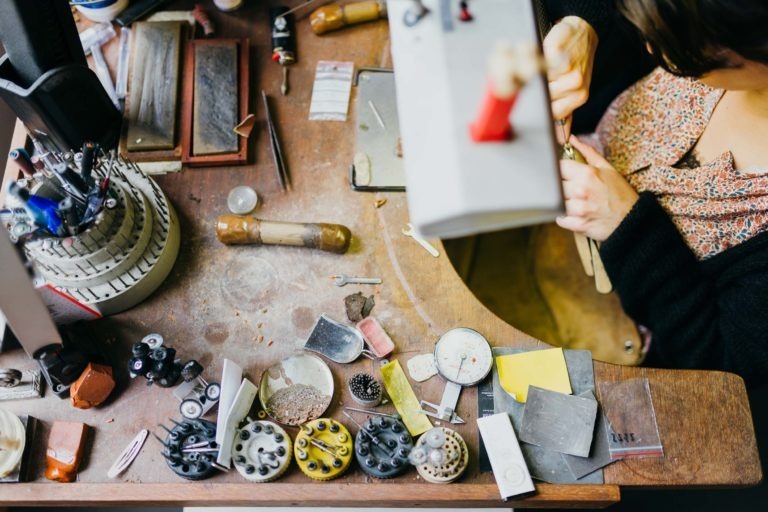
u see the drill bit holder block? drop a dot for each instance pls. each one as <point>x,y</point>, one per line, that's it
<point>124,255</point>
<point>323,449</point>
<point>441,456</point>
<point>382,447</point>
<point>190,449</point>
<point>262,451</point>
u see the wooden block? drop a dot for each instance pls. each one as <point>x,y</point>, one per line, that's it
<point>65,450</point>
<point>215,106</point>
<point>197,144</point>
<point>93,387</point>
<point>154,86</point>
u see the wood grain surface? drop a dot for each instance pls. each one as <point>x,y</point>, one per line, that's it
<point>257,305</point>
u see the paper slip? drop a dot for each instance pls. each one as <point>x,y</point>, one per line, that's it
<point>330,92</point>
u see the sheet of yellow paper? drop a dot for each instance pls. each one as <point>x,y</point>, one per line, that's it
<point>402,395</point>
<point>541,368</point>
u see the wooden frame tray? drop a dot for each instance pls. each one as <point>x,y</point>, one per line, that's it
<point>154,155</point>
<point>187,102</point>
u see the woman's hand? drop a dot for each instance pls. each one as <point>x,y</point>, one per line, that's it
<point>597,197</point>
<point>569,50</point>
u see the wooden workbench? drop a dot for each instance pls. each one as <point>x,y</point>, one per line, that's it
<point>219,300</point>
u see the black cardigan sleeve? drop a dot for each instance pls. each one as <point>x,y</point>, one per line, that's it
<point>600,14</point>
<point>709,314</point>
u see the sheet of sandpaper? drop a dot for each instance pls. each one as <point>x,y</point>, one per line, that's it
<point>546,465</point>
<point>404,399</point>
<point>544,369</point>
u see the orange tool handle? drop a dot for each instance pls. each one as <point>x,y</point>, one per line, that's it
<point>333,17</point>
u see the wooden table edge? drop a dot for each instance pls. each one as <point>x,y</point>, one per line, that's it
<point>309,494</point>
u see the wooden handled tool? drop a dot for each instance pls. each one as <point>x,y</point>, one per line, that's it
<point>238,229</point>
<point>333,17</point>
<point>588,249</point>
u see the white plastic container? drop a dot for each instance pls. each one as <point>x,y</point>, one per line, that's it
<point>101,11</point>
<point>228,5</point>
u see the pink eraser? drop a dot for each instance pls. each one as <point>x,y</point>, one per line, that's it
<point>375,337</point>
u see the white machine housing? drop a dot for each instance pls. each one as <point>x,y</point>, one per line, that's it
<point>455,186</point>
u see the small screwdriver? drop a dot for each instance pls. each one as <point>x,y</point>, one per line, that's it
<point>283,40</point>
<point>374,439</point>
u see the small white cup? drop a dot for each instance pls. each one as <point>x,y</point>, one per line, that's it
<point>228,5</point>
<point>106,13</point>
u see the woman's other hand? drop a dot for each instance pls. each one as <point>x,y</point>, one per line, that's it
<point>569,50</point>
<point>597,197</point>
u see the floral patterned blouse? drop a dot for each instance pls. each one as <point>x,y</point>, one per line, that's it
<point>648,133</point>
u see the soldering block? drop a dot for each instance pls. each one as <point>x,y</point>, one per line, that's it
<point>66,443</point>
<point>93,387</point>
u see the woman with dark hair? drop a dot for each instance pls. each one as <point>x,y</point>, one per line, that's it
<point>680,198</point>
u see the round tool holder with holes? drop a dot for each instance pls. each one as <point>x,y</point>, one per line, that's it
<point>127,252</point>
<point>190,449</point>
<point>323,449</point>
<point>261,451</point>
<point>382,447</point>
<point>440,455</point>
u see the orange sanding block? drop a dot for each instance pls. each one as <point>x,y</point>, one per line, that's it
<point>65,450</point>
<point>93,387</point>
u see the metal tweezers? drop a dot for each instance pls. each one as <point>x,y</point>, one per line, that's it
<point>277,152</point>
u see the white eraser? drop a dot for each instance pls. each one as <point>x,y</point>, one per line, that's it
<point>507,460</point>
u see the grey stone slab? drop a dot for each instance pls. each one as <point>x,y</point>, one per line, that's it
<point>599,454</point>
<point>559,422</point>
<point>215,100</point>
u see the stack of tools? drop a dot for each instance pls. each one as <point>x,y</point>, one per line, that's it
<point>96,228</point>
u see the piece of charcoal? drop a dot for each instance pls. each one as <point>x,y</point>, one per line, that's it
<point>358,306</point>
<point>368,307</point>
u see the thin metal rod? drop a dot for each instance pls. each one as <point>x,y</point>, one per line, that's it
<point>375,413</point>
<point>300,6</point>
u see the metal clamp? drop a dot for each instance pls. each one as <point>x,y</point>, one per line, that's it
<point>440,412</point>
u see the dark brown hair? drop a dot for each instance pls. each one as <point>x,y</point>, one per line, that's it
<point>688,37</point>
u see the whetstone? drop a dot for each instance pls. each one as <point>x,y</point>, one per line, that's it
<point>215,99</point>
<point>153,96</point>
